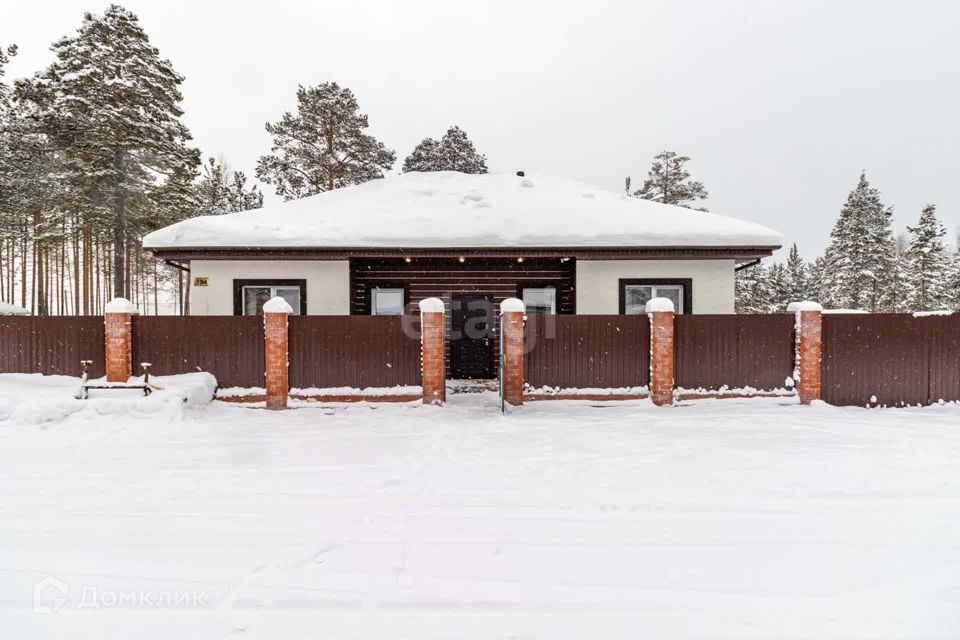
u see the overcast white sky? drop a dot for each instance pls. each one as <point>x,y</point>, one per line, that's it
<point>780,104</point>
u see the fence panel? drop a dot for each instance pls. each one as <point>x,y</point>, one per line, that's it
<point>712,351</point>
<point>890,359</point>
<point>354,351</point>
<point>229,347</point>
<point>587,352</point>
<point>51,345</point>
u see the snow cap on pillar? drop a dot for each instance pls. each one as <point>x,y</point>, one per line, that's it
<point>121,305</point>
<point>431,305</point>
<point>659,304</point>
<point>277,305</point>
<point>805,305</point>
<point>512,304</point>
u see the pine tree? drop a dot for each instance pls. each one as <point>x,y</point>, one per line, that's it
<point>221,190</point>
<point>323,147</point>
<point>669,182</point>
<point>454,152</point>
<point>858,265</point>
<point>113,103</point>
<point>927,263</point>
<point>796,280</point>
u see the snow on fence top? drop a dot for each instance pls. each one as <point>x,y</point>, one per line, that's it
<point>277,305</point>
<point>451,209</point>
<point>121,305</point>
<point>7,309</point>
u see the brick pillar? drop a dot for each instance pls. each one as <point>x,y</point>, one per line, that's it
<point>275,314</point>
<point>511,324</point>
<point>809,351</point>
<point>432,369</point>
<point>118,339</point>
<point>660,311</point>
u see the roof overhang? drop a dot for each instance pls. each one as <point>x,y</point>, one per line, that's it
<point>344,253</point>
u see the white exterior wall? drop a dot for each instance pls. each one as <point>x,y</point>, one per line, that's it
<point>328,283</point>
<point>598,282</point>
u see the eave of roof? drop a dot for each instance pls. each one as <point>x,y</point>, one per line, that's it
<point>341,253</point>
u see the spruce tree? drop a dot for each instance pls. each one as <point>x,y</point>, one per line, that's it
<point>751,290</point>
<point>323,146</point>
<point>927,263</point>
<point>858,264</point>
<point>113,103</point>
<point>777,285</point>
<point>454,152</point>
<point>669,182</point>
<point>795,277</point>
<point>953,282</point>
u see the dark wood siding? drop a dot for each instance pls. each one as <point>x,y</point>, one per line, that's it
<point>587,351</point>
<point>442,277</point>
<point>438,278</point>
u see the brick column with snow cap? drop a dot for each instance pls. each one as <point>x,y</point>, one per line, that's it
<point>118,339</point>
<point>660,311</point>
<point>275,313</point>
<point>807,370</point>
<point>433,378</point>
<point>511,324</point>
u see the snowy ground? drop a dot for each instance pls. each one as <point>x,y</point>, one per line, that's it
<point>718,519</point>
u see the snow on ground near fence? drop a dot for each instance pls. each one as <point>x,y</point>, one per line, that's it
<point>37,399</point>
<point>568,519</point>
<point>452,209</point>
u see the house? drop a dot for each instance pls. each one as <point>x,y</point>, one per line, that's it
<point>472,240</point>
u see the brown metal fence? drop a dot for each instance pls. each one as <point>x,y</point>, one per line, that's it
<point>354,351</point>
<point>890,359</point>
<point>570,351</point>
<point>713,351</point>
<point>229,347</point>
<point>51,345</point>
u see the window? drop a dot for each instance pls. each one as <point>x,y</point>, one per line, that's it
<point>540,300</point>
<point>387,301</point>
<point>249,296</point>
<point>254,297</point>
<point>634,294</point>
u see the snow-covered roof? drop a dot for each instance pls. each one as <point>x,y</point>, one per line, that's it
<point>455,210</point>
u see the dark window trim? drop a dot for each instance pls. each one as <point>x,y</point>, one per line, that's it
<point>687,284</point>
<point>239,284</point>
<point>368,294</point>
<point>543,285</point>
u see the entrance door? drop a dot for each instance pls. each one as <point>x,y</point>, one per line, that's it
<point>471,337</point>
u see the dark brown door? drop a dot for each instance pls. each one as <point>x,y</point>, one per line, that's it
<point>471,337</point>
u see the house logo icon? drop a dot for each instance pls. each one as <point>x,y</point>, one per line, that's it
<point>49,595</point>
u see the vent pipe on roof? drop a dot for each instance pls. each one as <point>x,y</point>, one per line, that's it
<point>520,174</point>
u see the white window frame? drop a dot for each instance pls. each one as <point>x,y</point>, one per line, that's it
<point>273,294</point>
<point>373,300</point>
<point>553,298</point>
